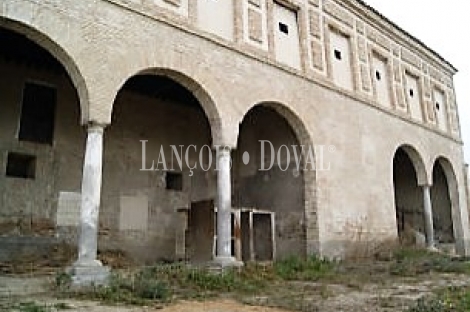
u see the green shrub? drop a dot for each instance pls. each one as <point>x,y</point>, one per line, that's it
<point>146,287</point>
<point>224,281</point>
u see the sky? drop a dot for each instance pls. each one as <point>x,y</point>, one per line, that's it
<point>444,26</point>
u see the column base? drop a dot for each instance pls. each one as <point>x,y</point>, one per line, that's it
<point>225,262</point>
<point>89,273</point>
<point>432,248</point>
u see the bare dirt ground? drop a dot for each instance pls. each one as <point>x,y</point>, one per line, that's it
<point>386,296</point>
<point>190,306</point>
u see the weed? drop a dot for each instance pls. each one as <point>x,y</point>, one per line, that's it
<point>413,261</point>
<point>135,289</point>
<point>62,306</point>
<point>452,299</point>
<point>310,269</point>
<point>63,280</point>
<point>31,307</point>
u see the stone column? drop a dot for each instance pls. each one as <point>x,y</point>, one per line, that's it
<point>88,269</point>
<point>224,206</point>
<point>428,221</point>
<point>467,185</point>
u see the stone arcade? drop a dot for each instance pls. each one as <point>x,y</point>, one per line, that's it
<point>84,82</point>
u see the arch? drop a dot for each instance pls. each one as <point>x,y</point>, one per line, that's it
<point>154,106</point>
<point>302,135</point>
<point>293,119</point>
<point>407,176</point>
<point>447,167</point>
<point>444,164</point>
<point>417,160</point>
<point>59,52</point>
<point>205,100</point>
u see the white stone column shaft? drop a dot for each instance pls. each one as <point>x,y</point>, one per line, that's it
<point>467,184</point>
<point>428,219</point>
<point>224,205</point>
<point>91,196</point>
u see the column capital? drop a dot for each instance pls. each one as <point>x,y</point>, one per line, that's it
<point>95,127</point>
<point>222,148</point>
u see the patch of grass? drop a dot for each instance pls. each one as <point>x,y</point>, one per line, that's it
<point>310,269</point>
<point>413,261</point>
<point>163,283</point>
<point>62,306</point>
<point>428,305</point>
<point>30,307</point>
<point>452,299</point>
<point>137,289</point>
<point>283,283</point>
<point>63,280</point>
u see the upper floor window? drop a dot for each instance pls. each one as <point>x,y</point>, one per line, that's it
<point>286,36</point>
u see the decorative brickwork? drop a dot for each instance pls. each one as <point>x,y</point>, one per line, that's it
<point>317,55</point>
<point>314,23</point>
<point>337,12</point>
<point>255,25</point>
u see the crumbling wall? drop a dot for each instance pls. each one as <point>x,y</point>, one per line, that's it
<point>29,205</point>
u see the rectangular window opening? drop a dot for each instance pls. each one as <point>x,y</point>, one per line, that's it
<point>283,28</point>
<point>174,181</point>
<point>37,114</point>
<point>21,166</point>
<point>378,76</point>
<point>338,55</point>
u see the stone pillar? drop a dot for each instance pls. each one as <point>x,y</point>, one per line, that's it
<point>88,269</point>
<point>428,221</point>
<point>467,185</point>
<point>224,256</point>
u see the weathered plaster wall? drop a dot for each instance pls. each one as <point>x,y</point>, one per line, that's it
<point>58,167</point>
<point>163,123</point>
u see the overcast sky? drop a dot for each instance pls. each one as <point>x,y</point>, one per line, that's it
<point>444,26</point>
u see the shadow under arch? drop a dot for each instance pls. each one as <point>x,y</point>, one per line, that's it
<point>163,109</point>
<point>417,160</point>
<point>445,201</point>
<point>408,175</point>
<point>205,100</point>
<point>278,120</point>
<point>57,51</point>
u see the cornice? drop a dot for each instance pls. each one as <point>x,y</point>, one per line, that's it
<point>396,33</point>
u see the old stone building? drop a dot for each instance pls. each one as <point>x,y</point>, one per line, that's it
<point>93,91</point>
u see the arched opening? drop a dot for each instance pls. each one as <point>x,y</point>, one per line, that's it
<point>409,201</point>
<point>41,149</point>
<point>441,191</point>
<point>269,185</point>
<point>158,191</point>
